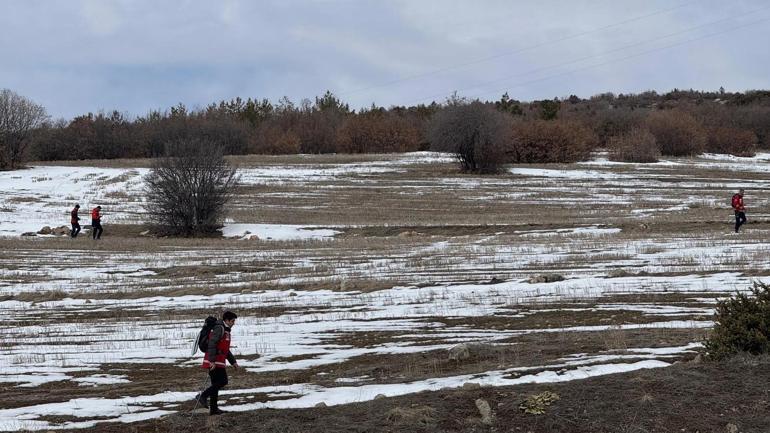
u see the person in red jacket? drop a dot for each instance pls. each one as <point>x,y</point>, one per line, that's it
<point>74,220</point>
<point>740,210</point>
<point>214,360</point>
<point>96,222</point>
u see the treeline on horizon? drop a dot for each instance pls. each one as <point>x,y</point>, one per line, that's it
<point>634,127</point>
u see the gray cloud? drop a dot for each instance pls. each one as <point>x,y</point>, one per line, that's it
<point>80,56</point>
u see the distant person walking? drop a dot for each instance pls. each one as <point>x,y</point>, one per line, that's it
<point>75,221</point>
<point>214,360</point>
<point>96,222</point>
<point>740,210</point>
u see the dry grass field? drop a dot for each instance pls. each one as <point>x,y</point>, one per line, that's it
<point>388,293</point>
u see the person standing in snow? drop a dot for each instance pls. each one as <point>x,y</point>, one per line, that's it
<point>96,222</point>
<point>214,360</point>
<point>74,220</point>
<point>740,210</point>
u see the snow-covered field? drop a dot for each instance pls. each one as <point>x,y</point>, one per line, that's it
<point>334,268</point>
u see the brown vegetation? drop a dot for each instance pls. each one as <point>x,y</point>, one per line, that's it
<point>676,132</point>
<point>636,145</point>
<point>680,121</point>
<point>733,141</point>
<point>551,141</point>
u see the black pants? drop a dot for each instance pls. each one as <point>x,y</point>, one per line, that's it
<point>96,229</point>
<point>740,219</point>
<point>218,381</point>
<point>75,230</point>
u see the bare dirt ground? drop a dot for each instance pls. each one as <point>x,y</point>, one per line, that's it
<point>687,397</point>
<point>590,280</point>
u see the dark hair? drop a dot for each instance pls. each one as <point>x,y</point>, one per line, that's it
<point>229,315</point>
<point>98,207</point>
<point>77,205</point>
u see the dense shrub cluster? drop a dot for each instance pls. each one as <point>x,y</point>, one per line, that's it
<point>492,133</point>
<point>636,145</point>
<point>677,133</point>
<point>378,131</point>
<point>733,141</point>
<point>742,324</point>
<point>551,141</point>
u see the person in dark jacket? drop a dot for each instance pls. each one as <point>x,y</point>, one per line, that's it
<point>74,220</point>
<point>96,222</point>
<point>214,360</point>
<point>740,210</point>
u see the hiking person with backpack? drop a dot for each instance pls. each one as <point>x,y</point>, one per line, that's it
<point>740,210</point>
<point>74,218</point>
<point>96,222</point>
<point>217,345</point>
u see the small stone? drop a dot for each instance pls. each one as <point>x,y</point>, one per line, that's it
<point>29,234</point>
<point>698,359</point>
<point>471,385</point>
<point>321,404</point>
<point>487,417</point>
<point>45,231</point>
<point>408,234</point>
<point>731,428</point>
<point>379,396</point>
<point>460,352</point>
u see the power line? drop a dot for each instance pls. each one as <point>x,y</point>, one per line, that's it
<point>614,50</point>
<point>516,51</point>
<point>558,65</point>
<point>629,57</point>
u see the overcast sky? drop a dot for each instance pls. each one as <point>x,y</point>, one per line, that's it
<point>76,56</point>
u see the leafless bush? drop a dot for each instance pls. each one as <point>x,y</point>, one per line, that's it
<point>677,133</point>
<point>187,190</point>
<point>733,141</point>
<point>19,116</point>
<point>476,133</point>
<point>541,141</point>
<point>637,145</point>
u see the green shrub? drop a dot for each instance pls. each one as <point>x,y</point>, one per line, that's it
<point>742,324</point>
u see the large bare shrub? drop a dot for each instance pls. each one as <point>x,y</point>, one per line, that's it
<point>187,190</point>
<point>636,145</point>
<point>542,141</point>
<point>733,141</point>
<point>677,133</point>
<point>19,116</point>
<point>475,133</point>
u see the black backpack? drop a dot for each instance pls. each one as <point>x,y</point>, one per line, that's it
<point>203,336</point>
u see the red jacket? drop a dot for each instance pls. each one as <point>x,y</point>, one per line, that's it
<point>738,203</point>
<point>95,214</point>
<point>222,353</point>
<point>74,218</point>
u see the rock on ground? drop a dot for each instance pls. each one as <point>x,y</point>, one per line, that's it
<point>487,417</point>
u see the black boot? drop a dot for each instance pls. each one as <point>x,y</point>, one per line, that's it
<point>213,409</point>
<point>202,399</point>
